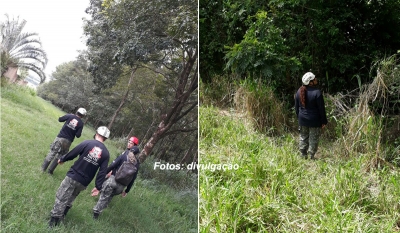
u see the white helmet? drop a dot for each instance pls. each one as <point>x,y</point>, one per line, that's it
<point>103,131</point>
<point>82,111</point>
<point>307,77</point>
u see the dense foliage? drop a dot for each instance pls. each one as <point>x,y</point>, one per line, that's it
<point>138,76</point>
<point>158,35</point>
<point>280,40</point>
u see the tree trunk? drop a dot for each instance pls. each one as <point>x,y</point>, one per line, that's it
<point>192,148</point>
<point>187,84</point>
<point>122,101</point>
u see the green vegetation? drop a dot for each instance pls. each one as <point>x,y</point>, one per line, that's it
<point>276,191</point>
<point>280,40</point>
<point>353,186</point>
<point>28,126</point>
<point>138,75</point>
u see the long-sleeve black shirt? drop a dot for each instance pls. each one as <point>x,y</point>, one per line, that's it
<point>313,114</point>
<point>114,166</point>
<point>72,127</point>
<point>93,156</point>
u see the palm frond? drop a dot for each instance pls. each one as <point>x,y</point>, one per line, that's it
<point>22,48</point>
<point>33,67</point>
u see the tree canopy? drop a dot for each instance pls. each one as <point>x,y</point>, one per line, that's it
<point>279,41</point>
<point>142,63</point>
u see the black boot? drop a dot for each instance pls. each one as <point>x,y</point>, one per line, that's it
<point>66,210</point>
<point>96,215</point>
<point>45,165</point>
<point>54,222</point>
<point>53,166</point>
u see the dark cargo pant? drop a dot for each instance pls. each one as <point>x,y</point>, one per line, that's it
<point>309,138</point>
<point>65,196</point>
<point>58,148</point>
<point>108,191</point>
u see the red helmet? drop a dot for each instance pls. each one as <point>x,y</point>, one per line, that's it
<point>135,140</point>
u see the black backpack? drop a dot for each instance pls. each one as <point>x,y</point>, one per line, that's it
<point>126,171</point>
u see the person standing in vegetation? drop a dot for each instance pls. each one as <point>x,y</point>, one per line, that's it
<point>93,157</point>
<point>111,187</point>
<point>310,111</point>
<point>72,128</point>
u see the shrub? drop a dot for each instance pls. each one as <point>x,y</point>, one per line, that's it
<point>263,107</point>
<point>218,93</point>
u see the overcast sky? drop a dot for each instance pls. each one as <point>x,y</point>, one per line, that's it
<point>58,23</point>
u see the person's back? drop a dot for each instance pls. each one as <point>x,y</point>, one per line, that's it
<point>72,128</point>
<point>313,113</point>
<point>310,111</point>
<point>93,157</point>
<point>93,154</point>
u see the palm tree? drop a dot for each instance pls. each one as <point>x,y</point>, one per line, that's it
<point>23,50</point>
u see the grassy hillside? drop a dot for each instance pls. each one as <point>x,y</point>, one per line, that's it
<point>28,126</point>
<point>275,191</point>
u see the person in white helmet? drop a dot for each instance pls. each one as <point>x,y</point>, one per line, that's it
<point>93,157</point>
<point>72,128</point>
<point>310,111</point>
<point>111,187</point>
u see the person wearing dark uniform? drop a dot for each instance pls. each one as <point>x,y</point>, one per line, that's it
<point>111,187</point>
<point>72,128</point>
<point>310,111</point>
<point>93,157</point>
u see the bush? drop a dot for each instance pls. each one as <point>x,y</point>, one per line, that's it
<point>263,107</point>
<point>218,93</point>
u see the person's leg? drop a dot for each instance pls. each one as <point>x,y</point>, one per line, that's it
<point>106,196</point>
<point>63,148</point>
<point>62,196</point>
<point>55,147</point>
<point>304,141</point>
<point>314,140</point>
<point>119,189</point>
<point>78,188</point>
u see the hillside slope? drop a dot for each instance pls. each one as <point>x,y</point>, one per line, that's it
<point>28,126</point>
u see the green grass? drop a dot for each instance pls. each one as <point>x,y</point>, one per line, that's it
<point>28,126</point>
<point>276,191</point>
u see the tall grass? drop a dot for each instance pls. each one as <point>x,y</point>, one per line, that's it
<point>276,191</point>
<point>28,126</point>
<point>368,125</point>
<point>254,99</point>
<point>220,92</point>
<point>258,100</point>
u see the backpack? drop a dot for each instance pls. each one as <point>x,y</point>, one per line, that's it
<point>125,172</point>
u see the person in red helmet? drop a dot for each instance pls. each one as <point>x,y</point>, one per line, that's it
<point>111,187</point>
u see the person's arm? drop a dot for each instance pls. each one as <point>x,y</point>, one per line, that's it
<point>101,174</point>
<point>79,132</point>
<point>321,108</point>
<point>296,104</point>
<point>116,163</point>
<point>63,118</point>
<point>73,153</point>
